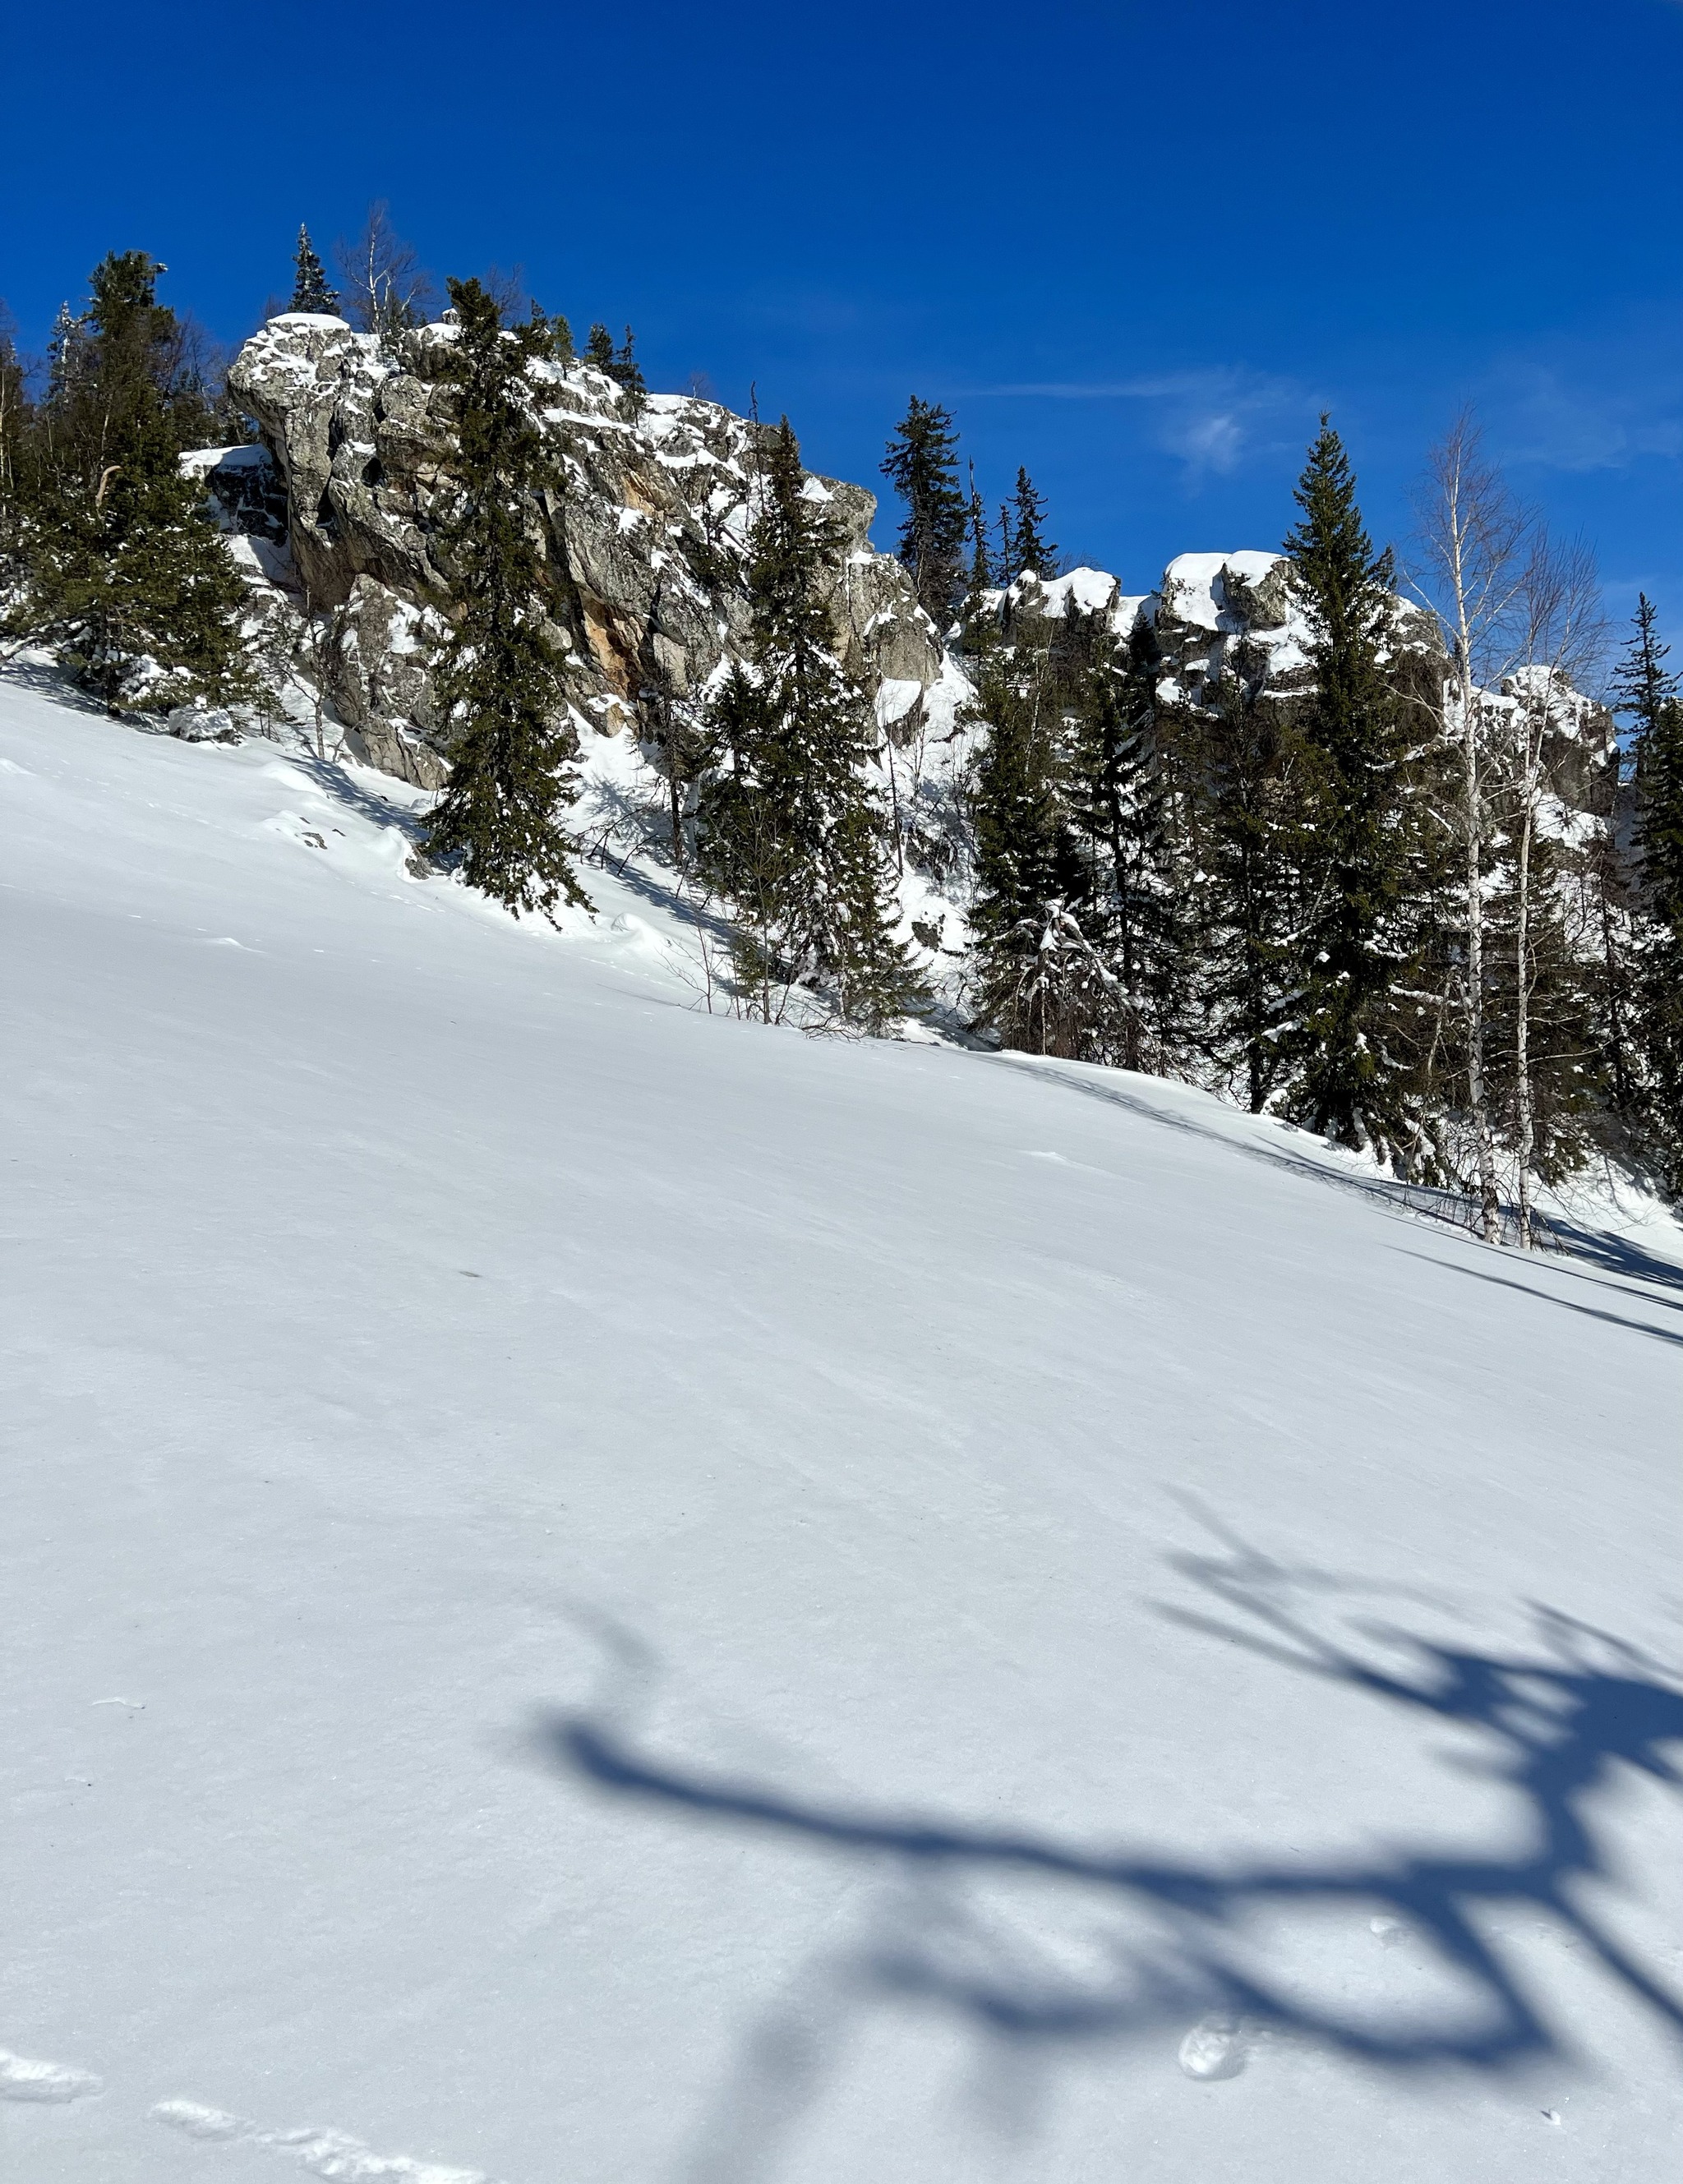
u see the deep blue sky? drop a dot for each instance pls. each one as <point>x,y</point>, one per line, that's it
<point>1135,246</point>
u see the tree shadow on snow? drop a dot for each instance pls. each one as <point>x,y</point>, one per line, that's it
<point>1672,1335</point>
<point>1561,1238</point>
<point>1041,1944</point>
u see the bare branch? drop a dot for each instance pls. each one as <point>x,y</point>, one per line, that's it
<point>387,288</point>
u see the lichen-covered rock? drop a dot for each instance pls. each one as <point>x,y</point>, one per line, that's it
<point>380,647</point>
<point>647,541</point>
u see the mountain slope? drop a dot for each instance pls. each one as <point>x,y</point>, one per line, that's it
<point>596,1592</point>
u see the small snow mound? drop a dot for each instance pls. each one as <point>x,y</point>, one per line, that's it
<point>22,2078</point>
<point>200,2121</point>
<point>1215,2047</point>
<point>1090,590</point>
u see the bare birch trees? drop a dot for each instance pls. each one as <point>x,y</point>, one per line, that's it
<point>1520,620</point>
<point>1472,537</point>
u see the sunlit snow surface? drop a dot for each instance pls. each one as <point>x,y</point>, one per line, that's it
<point>593,1591</point>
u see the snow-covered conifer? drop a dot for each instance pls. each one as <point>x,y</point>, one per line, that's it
<point>1023,522</point>
<point>792,830</point>
<point>1648,691</point>
<point>123,569</point>
<point>500,677</point>
<point>310,291</point>
<point>922,464</point>
<point>1353,1054</point>
<point>1119,798</point>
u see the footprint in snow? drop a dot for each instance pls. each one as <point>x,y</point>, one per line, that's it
<point>24,2079</point>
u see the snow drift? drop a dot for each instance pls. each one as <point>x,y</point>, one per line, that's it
<point>596,1592</point>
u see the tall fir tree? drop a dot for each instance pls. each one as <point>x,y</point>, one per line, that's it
<point>1027,549</point>
<point>625,369</point>
<point>310,291</point>
<point>15,420</point>
<point>1040,983</point>
<point>1647,691</point>
<point>1253,855</point>
<point>123,569</point>
<point>978,620</point>
<point>552,336</point>
<point>792,830</point>
<point>599,350</point>
<point>980,572</point>
<point>1118,800</point>
<point>1352,1044</point>
<point>500,677</point>
<point>921,463</point>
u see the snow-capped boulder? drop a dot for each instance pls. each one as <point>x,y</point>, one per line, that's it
<point>1208,606</point>
<point>200,723</point>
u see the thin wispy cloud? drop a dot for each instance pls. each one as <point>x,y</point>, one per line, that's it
<point>1608,401</point>
<point>1560,427</point>
<point>1212,420</point>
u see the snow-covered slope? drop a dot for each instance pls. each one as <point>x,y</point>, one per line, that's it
<point>596,1592</point>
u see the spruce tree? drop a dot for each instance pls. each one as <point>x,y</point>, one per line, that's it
<point>1252,852</point>
<point>552,336</point>
<point>981,572</point>
<point>977,622</point>
<point>123,567</point>
<point>15,419</point>
<point>922,464</point>
<point>1040,983</point>
<point>1648,692</point>
<point>1642,686</point>
<point>498,678</point>
<point>1351,1047</point>
<point>310,291</point>
<point>1125,901</point>
<point>791,829</point>
<point>1027,549</point>
<point>625,369</point>
<point>599,350</point>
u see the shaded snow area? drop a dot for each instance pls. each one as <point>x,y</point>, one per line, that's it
<point>592,1590</point>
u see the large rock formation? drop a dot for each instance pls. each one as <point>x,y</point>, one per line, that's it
<point>647,541</point>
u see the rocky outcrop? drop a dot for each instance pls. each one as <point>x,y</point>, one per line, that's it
<point>647,543</point>
<point>1213,610</point>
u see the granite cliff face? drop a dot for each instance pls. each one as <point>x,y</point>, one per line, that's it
<point>647,541</point>
<point>339,516</point>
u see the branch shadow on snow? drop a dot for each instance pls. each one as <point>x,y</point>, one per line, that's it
<point>1041,1944</point>
<point>44,679</point>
